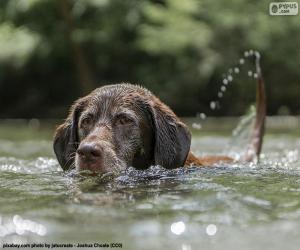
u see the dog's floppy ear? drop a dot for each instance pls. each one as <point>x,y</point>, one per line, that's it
<point>172,138</point>
<point>66,139</point>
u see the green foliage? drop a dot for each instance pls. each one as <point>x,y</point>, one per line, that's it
<point>54,51</point>
<point>18,44</point>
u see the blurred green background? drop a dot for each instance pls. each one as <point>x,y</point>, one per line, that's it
<point>52,52</point>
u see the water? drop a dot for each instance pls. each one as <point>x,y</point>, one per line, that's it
<point>240,206</point>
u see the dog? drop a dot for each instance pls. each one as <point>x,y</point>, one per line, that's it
<point>122,125</point>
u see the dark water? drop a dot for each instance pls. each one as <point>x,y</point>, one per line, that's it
<point>240,206</point>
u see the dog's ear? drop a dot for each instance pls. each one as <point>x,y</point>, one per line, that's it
<point>66,138</point>
<point>172,138</point>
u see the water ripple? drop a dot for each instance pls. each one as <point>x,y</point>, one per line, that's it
<point>36,166</point>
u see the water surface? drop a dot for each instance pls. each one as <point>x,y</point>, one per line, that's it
<point>239,206</point>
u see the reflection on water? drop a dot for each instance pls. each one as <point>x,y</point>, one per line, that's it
<point>20,226</point>
<point>178,227</point>
<point>239,206</point>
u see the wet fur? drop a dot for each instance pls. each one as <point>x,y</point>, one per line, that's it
<point>161,138</point>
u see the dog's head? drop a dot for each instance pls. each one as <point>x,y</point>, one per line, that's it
<point>121,125</point>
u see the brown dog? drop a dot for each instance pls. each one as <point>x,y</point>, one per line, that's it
<point>123,125</point>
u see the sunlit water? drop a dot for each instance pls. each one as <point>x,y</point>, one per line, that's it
<point>239,206</point>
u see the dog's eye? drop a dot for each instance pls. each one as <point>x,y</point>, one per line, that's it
<point>87,121</point>
<point>123,120</point>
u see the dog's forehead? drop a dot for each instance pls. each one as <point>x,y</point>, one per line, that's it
<point>121,90</point>
<point>111,99</point>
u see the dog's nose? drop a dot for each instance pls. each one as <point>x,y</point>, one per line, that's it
<point>89,151</point>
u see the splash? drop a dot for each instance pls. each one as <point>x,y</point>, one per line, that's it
<point>248,132</point>
<point>241,134</point>
<point>228,78</point>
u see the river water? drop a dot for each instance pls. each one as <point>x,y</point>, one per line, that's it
<point>239,206</point>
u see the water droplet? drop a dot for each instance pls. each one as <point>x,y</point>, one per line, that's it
<point>255,75</point>
<point>223,88</point>
<point>230,78</point>
<point>230,71</point>
<point>225,81</point>
<point>251,52</point>
<point>213,105</point>
<point>242,61</point>
<point>250,73</point>
<point>202,116</point>
<point>220,94</point>
<point>196,126</point>
<point>236,70</point>
<point>246,53</point>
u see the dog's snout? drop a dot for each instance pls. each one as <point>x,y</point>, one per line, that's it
<point>89,151</point>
